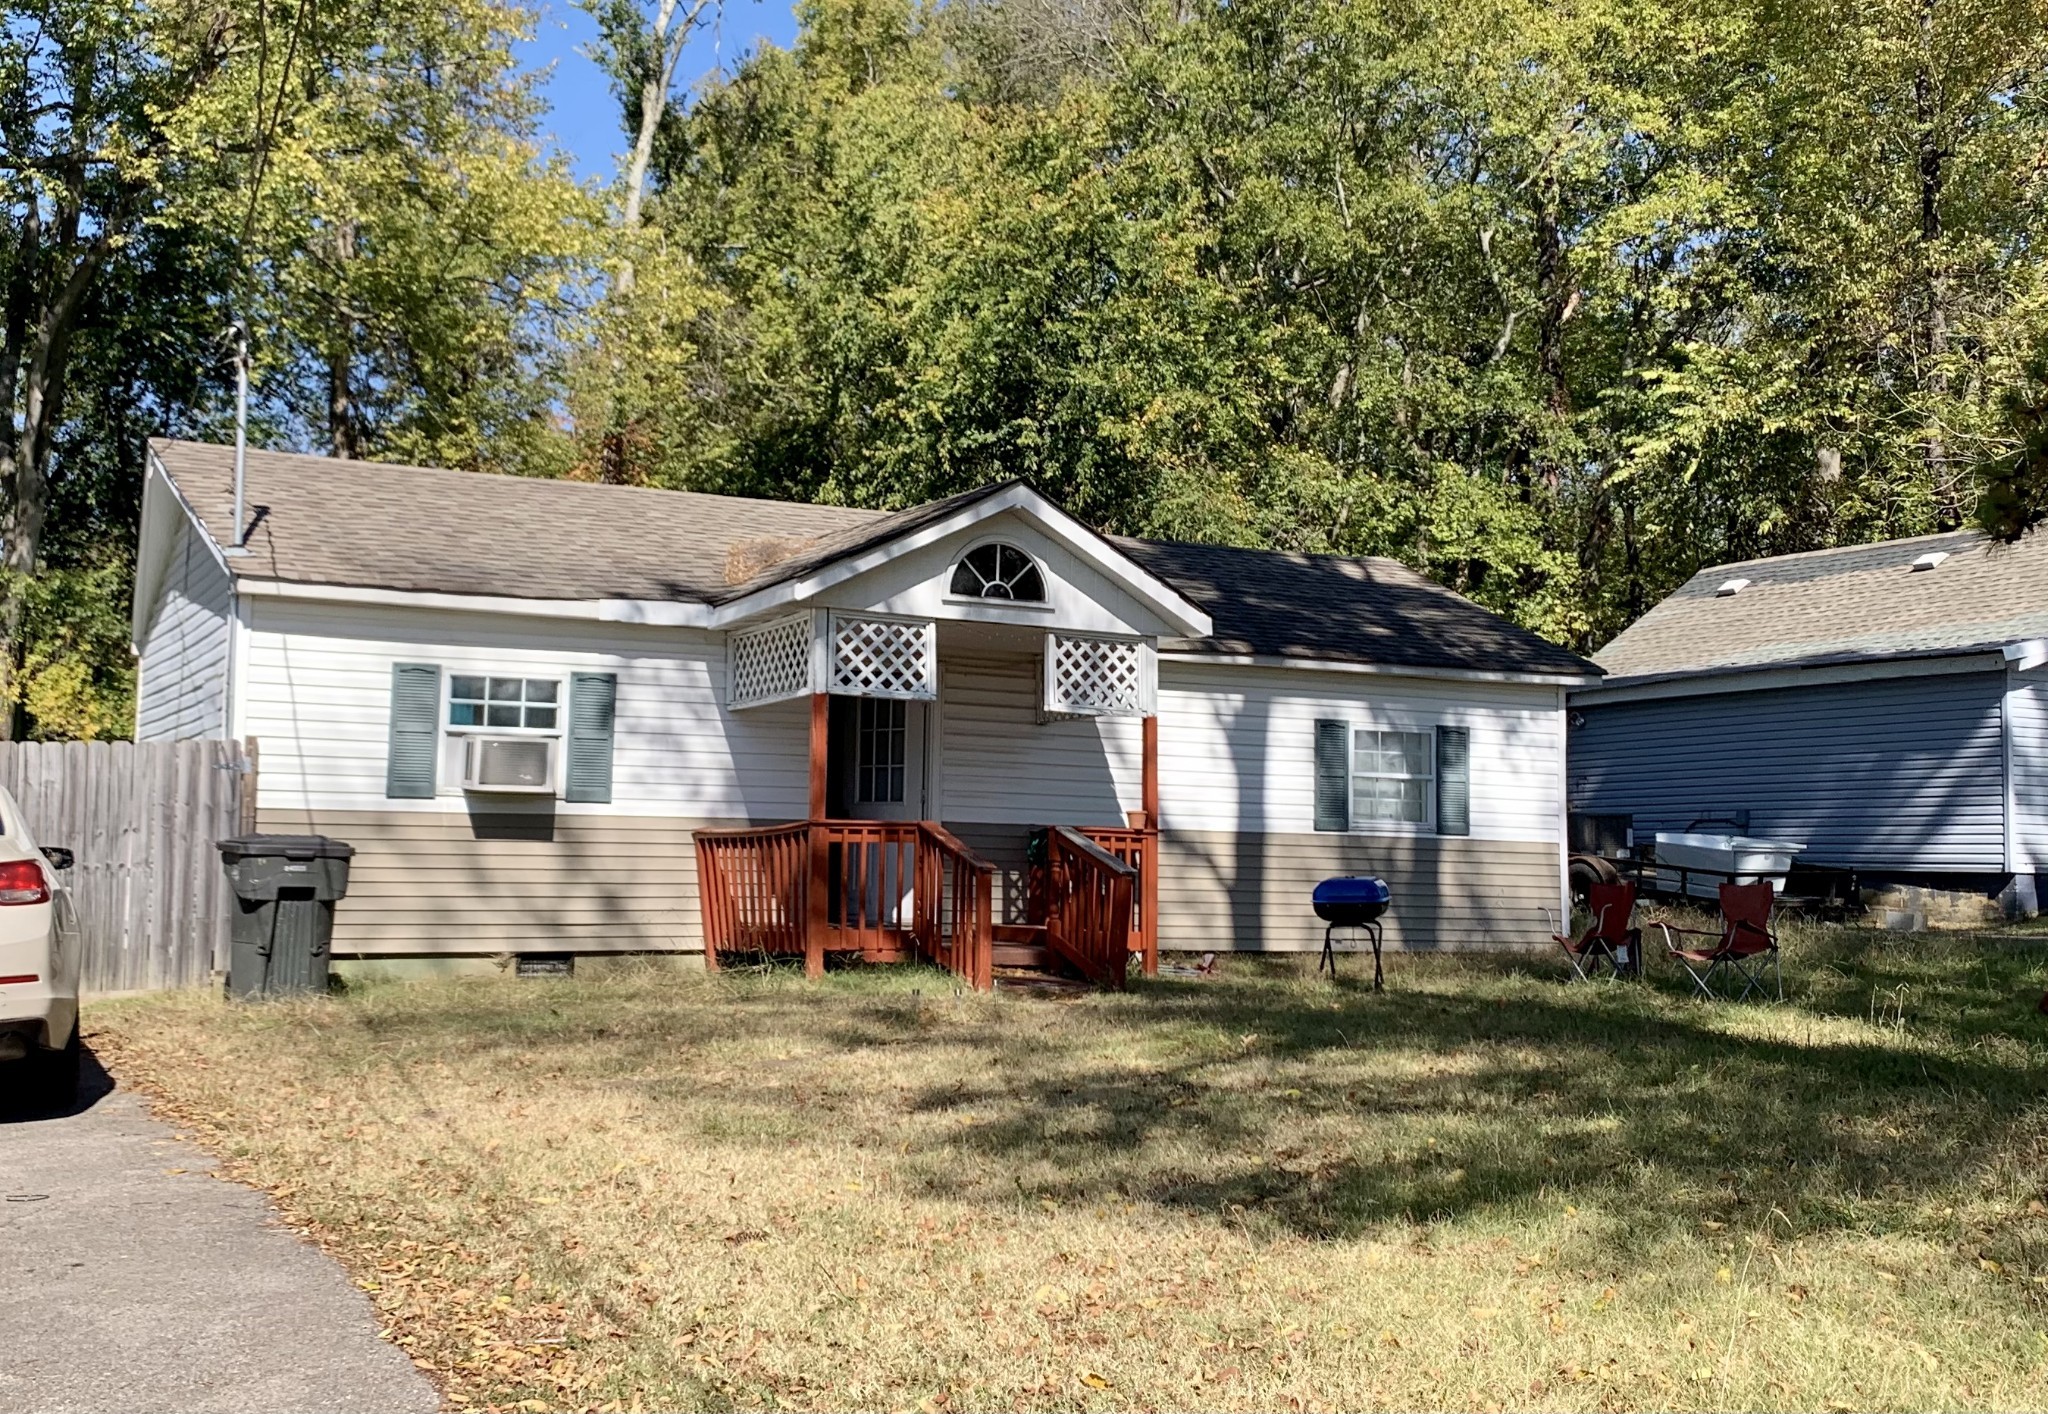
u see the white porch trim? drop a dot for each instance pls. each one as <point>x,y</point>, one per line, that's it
<point>1069,533</point>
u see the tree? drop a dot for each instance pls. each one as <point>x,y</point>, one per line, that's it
<point>360,184</point>
<point>409,264</point>
<point>86,157</point>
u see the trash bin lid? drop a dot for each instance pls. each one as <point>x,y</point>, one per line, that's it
<point>284,847</point>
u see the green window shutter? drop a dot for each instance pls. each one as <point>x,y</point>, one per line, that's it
<point>1333,775</point>
<point>1453,780</point>
<point>415,731</point>
<point>593,698</point>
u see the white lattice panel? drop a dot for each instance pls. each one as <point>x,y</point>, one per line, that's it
<point>770,663</point>
<point>1097,677</point>
<point>884,657</point>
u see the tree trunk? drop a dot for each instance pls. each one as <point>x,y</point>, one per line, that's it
<point>671,33</point>
<point>1557,296</point>
<point>1932,171</point>
<point>344,430</point>
<point>34,357</point>
<point>1556,302</point>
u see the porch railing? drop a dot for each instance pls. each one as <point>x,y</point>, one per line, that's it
<point>882,889</point>
<point>751,889</point>
<point>956,907</point>
<point>870,868</point>
<point>1088,897</point>
<point>1138,848</point>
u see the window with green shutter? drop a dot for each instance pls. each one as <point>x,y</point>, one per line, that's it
<point>415,731</point>
<point>1333,775</point>
<point>593,702</point>
<point>1453,781</point>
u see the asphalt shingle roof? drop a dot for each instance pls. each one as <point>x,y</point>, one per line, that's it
<point>1275,603</point>
<point>316,520</point>
<point>1856,603</point>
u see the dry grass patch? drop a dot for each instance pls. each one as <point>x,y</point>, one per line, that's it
<point>1480,1189</point>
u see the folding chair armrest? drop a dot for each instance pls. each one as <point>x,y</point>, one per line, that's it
<point>1672,930</point>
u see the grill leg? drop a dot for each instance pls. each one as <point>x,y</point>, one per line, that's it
<point>1379,978</point>
<point>1329,957</point>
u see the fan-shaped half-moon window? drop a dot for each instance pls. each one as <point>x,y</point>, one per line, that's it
<point>999,571</point>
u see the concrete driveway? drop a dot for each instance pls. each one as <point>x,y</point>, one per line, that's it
<point>130,1287</point>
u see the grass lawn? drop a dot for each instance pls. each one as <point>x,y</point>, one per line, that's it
<point>1483,1188</point>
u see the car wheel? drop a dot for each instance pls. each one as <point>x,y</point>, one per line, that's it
<point>1590,869</point>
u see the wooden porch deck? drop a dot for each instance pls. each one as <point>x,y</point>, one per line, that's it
<point>890,891</point>
<point>895,891</point>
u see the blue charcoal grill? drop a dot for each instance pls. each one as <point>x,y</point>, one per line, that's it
<point>1352,902</point>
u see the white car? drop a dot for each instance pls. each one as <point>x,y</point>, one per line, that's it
<point>39,964</point>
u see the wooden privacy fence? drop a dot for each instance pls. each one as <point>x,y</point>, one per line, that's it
<point>152,902</point>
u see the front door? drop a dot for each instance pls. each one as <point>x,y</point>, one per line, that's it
<point>876,764</point>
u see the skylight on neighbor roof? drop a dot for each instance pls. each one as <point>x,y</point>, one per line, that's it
<point>1731,587</point>
<point>1929,560</point>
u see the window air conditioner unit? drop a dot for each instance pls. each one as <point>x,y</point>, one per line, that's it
<point>509,765</point>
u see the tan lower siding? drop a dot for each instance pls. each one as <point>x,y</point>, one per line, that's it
<point>1228,891</point>
<point>450,883</point>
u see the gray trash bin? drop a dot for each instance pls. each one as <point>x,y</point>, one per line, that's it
<point>285,889</point>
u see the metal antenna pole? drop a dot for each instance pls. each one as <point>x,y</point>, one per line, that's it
<point>239,332</point>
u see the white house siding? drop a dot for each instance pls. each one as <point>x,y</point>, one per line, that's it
<point>1240,853</point>
<point>2026,724</point>
<point>449,875</point>
<point>1903,773</point>
<point>1001,771</point>
<point>182,675</point>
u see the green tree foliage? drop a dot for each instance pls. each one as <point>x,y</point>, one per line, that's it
<point>407,261</point>
<point>1556,302</point>
<point>358,182</point>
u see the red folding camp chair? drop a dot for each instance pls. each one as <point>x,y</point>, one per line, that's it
<point>1610,939</point>
<point>1745,947</point>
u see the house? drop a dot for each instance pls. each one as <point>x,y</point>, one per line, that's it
<point>557,717</point>
<point>1883,705</point>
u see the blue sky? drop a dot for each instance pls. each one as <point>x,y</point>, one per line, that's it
<point>584,122</point>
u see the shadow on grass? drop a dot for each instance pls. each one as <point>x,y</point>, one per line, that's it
<point>1329,1111</point>
<point>1902,1083</point>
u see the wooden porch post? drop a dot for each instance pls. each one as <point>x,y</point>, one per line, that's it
<point>1148,791</point>
<point>816,910</point>
<point>1148,788</point>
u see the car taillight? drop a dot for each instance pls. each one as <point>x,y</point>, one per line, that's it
<point>21,881</point>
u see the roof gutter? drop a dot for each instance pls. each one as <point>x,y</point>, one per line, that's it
<point>626,611</point>
<point>2026,656</point>
<point>1761,677</point>
<point>1399,670</point>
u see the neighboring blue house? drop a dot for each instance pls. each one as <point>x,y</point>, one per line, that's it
<point>1886,705</point>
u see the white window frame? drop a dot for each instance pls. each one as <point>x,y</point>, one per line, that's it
<point>1352,776</point>
<point>448,700</point>
<point>864,734</point>
<point>1042,606</point>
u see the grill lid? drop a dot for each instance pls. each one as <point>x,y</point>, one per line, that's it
<point>1353,889</point>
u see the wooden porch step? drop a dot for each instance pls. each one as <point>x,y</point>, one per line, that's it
<point>1022,945</point>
